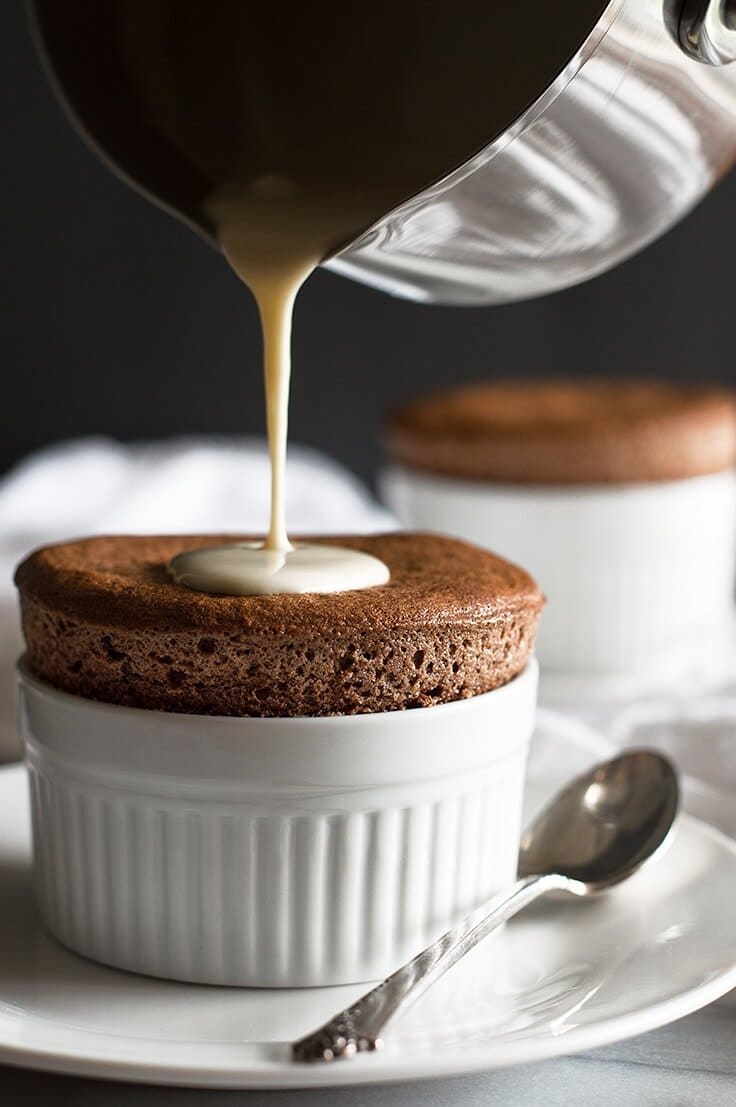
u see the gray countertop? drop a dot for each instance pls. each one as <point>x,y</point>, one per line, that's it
<point>691,1063</point>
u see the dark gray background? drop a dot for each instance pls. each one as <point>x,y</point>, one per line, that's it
<point>110,310</point>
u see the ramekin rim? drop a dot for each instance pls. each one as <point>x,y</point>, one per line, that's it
<point>532,488</point>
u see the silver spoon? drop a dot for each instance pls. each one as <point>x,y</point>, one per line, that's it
<point>595,833</point>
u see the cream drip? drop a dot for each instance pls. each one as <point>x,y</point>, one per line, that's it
<point>273,246</point>
<point>246,569</point>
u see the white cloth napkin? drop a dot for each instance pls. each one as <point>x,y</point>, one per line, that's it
<point>699,735</point>
<point>97,486</point>
<point>697,732</point>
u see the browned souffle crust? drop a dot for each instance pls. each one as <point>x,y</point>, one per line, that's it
<point>103,619</point>
<point>580,432</point>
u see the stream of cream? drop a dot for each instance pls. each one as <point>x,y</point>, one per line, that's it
<point>273,241</point>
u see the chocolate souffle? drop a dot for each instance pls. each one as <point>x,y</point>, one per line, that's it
<point>103,619</point>
<point>576,432</point>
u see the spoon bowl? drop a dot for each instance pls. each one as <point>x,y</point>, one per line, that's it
<point>605,824</point>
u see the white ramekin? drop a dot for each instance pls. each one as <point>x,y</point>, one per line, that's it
<point>639,579</point>
<point>271,852</point>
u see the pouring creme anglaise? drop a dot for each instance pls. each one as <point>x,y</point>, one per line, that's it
<point>275,236</point>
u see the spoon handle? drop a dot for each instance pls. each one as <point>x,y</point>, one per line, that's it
<point>360,1027</point>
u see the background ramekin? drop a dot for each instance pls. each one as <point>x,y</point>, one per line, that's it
<point>639,578</point>
<point>272,852</point>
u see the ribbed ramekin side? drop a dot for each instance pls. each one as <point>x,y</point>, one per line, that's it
<point>219,894</point>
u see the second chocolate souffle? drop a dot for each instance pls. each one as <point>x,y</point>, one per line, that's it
<point>618,495</point>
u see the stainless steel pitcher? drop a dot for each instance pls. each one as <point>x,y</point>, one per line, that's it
<point>636,128</point>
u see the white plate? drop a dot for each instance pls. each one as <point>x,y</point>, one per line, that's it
<point>569,977</point>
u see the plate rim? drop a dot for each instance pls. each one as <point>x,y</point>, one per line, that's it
<point>280,1073</point>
